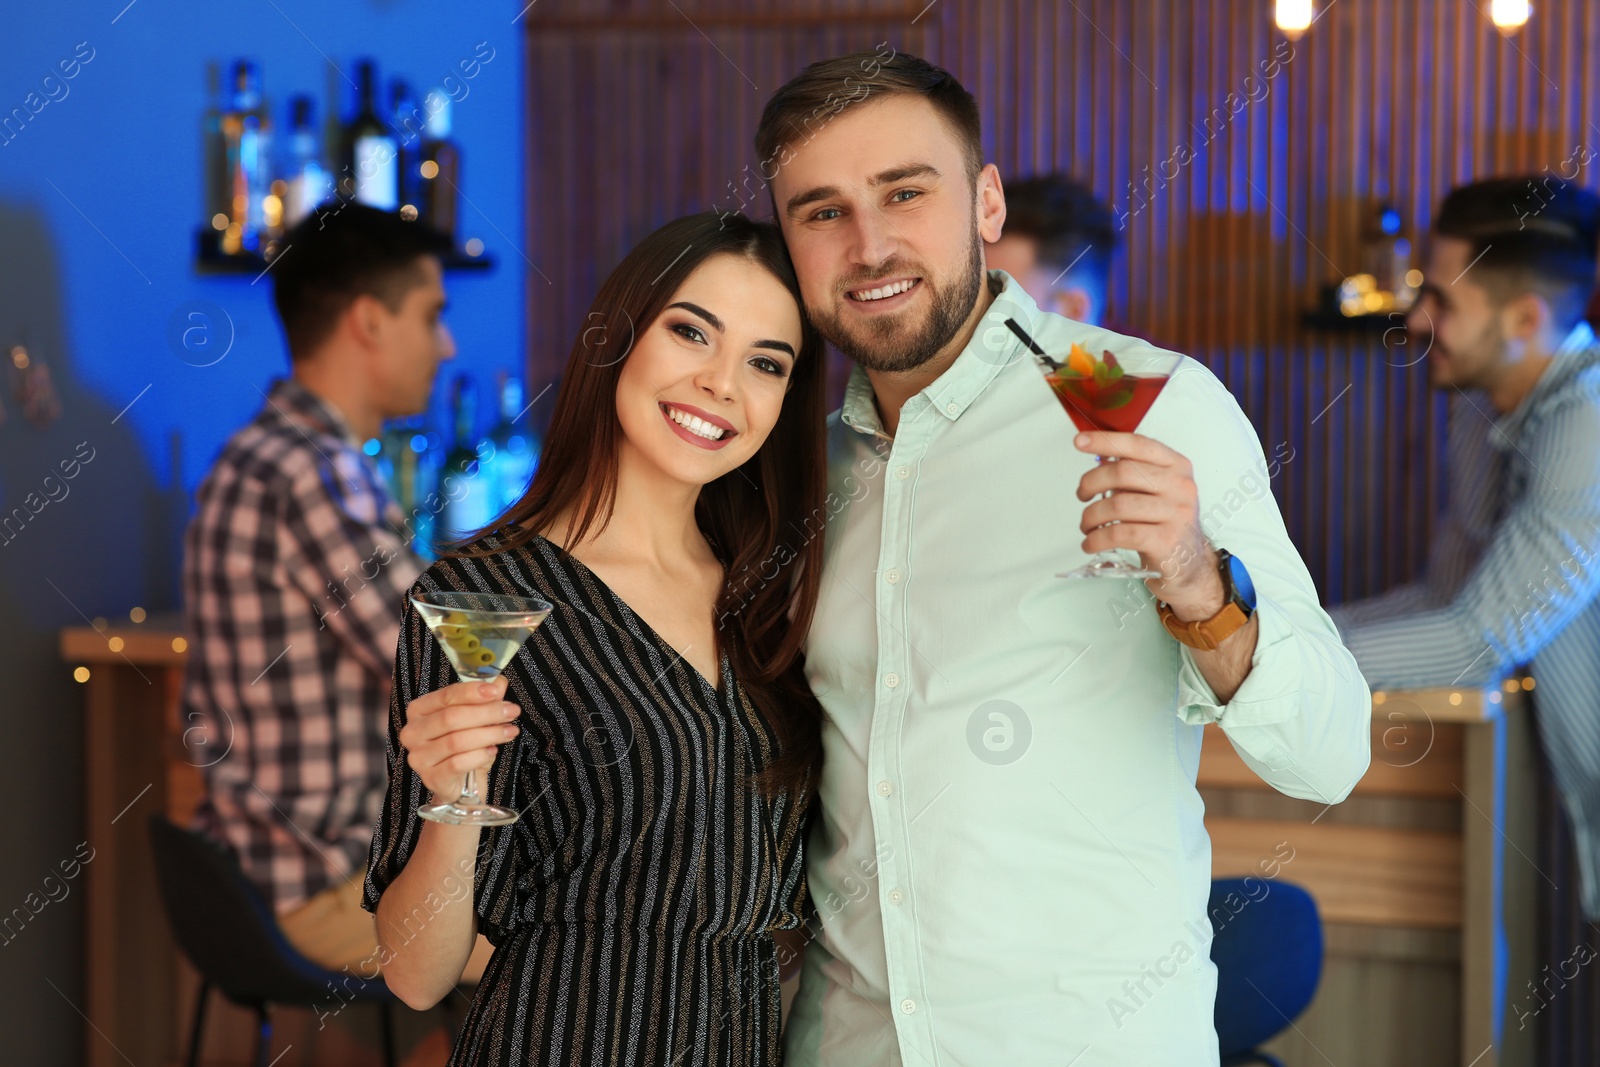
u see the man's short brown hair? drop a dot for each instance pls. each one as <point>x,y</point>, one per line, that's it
<point>812,99</point>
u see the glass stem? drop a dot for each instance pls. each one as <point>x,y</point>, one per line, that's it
<point>469,797</point>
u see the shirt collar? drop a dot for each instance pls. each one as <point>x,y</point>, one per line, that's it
<point>302,408</point>
<point>1568,358</point>
<point>991,348</point>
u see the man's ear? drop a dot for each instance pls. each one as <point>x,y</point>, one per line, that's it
<point>1526,317</point>
<point>1074,303</point>
<point>364,318</point>
<point>991,204</point>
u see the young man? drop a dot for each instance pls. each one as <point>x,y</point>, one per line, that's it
<point>1008,860</point>
<point>1057,244</point>
<point>295,566</point>
<point>1513,578</point>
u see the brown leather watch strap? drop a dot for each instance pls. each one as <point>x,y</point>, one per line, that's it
<point>1204,634</point>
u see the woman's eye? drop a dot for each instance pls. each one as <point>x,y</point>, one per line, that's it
<point>690,333</point>
<point>768,365</point>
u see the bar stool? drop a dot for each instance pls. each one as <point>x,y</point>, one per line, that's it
<point>224,926</point>
<point>1268,954</point>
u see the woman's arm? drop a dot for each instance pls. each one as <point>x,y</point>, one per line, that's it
<point>425,918</point>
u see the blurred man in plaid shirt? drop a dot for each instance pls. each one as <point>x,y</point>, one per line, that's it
<point>295,568</point>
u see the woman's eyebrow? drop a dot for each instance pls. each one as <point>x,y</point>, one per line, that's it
<point>702,312</point>
<point>781,346</point>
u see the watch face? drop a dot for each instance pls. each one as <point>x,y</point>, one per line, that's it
<point>1242,584</point>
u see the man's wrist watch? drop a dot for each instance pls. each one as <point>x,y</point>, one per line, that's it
<point>1238,604</point>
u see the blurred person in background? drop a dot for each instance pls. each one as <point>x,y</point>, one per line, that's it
<point>1057,243</point>
<point>294,573</point>
<point>1513,578</point>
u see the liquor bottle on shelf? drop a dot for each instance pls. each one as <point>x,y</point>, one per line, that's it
<point>440,170</point>
<point>217,196</point>
<point>465,487</point>
<point>407,119</point>
<point>246,136</point>
<point>307,182</point>
<point>370,164</point>
<point>513,449</point>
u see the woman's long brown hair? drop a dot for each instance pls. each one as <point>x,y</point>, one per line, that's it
<point>763,519</point>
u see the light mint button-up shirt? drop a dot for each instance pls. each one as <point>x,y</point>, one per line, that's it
<point>1008,861</point>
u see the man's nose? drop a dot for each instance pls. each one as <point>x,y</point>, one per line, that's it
<point>874,238</point>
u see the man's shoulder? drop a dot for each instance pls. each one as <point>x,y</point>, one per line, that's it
<point>1574,401</point>
<point>1057,332</point>
<point>271,453</point>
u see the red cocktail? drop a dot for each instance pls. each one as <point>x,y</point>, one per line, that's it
<point>1118,405</point>
<point>1100,394</point>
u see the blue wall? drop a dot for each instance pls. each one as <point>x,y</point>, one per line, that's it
<point>99,200</point>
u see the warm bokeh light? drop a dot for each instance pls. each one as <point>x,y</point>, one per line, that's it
<point>1455,698</point>
<point>474,247</point>
<point>1294,17</point>
<point>81,674</point>
<point>115,644</point>
<point>429,169</point>
<point>137,615</point>
<point>1527,684</point>
<point>179,645</point>
<point>1509,16</point>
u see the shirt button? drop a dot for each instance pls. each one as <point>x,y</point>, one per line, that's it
<point>951,409</point>
<point>884,789</point>
<point>895,896</point>
<point>902,472</point>
<point>892,577</point>
<point>908,1005</point>
<point>891,680</point>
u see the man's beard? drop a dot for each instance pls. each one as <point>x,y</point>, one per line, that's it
<point>878,345</point>
<point>1472,366</point>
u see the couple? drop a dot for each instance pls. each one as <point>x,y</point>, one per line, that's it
<point>970,782</point>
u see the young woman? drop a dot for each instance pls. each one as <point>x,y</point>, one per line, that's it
<point>657,735</point>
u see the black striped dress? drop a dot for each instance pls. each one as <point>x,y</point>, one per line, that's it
<point>632,906</point>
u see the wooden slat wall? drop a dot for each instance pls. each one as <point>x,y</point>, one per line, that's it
<point>643,110</point>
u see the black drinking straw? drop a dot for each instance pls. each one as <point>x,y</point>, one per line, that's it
<point>1033,345</point>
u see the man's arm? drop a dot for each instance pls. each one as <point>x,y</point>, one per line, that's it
<point>1540,570</point>
<point>1283,688</point>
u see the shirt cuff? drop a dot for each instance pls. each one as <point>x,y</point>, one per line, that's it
<point>1270,692</point>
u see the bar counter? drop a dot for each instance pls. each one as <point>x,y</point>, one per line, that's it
<point>1423,875</point>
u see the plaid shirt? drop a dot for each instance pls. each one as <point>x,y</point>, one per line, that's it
<point>294,576</point>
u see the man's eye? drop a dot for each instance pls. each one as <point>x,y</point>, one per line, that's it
<point>688,332</point>
<point>826,214</point>
<point>900,196</point>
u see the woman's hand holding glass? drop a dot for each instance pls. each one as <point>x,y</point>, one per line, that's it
<point>456,730</point>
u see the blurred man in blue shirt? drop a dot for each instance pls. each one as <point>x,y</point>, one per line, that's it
<point>1512,579</point>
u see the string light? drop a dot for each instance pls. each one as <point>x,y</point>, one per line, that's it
<point>1294,17</point>
<point>1509,16</point>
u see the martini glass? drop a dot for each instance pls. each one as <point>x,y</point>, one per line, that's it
<point>480,633</point>
<point>1101,394</point>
